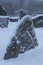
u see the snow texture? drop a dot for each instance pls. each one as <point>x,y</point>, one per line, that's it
<point>24,38</point>
<point>38,20</point>
<point>4,21</point>
<point>32,57</point>
<point>36,16</point>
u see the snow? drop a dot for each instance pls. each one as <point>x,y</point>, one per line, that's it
<point>34,17</point>
<point>13,17</point>
<point>4,21</point>
<point>26,17</point>
<point>32,57</point>
<point>4,16</point>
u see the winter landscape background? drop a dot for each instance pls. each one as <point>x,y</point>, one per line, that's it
<point>31,6</point>
<point>34,56</point>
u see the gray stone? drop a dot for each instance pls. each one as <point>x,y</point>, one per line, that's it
<point>38,20</point>
<point>22,13</point>
<point>4,21</point>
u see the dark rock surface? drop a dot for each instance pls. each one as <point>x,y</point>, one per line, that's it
<point>3,18</point>
<point>24,38</point>
<point>22,13</point>
<point>38,20</point>
<point>2,11</point>
<point>4,21</point>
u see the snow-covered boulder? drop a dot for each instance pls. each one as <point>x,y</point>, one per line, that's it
<point>23,40</point>
<point>38,20</point>
<point>4,20</point>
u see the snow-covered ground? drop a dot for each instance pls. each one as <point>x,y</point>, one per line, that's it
<point>32,57</point>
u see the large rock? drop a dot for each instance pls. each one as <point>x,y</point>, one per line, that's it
<point>23,40</point>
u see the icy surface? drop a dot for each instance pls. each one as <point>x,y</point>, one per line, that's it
<point>32,57</point>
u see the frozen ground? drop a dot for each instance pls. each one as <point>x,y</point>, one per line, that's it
<point>32,57</point>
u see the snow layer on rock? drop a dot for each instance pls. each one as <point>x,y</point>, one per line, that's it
<point>4,21</point>
<point>20,22</point>
<point>34,17</point>
<point>25,18</point>
<point>38,20</point>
